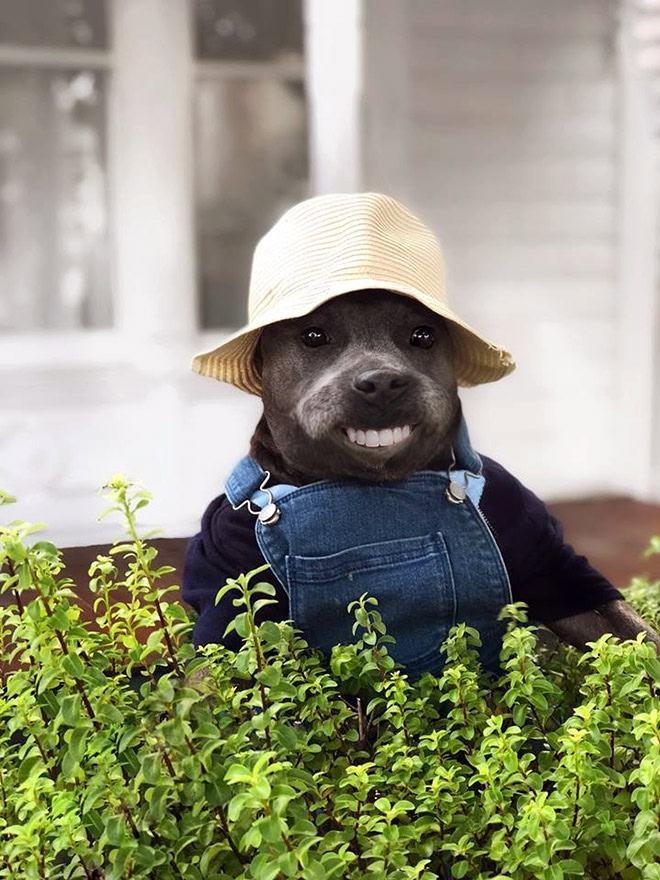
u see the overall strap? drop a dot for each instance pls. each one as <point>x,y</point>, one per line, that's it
<point>245,482</point>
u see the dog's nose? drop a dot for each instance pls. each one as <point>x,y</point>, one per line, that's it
<point>381,385</point>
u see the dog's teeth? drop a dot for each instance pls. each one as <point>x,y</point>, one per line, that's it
<point>373,439</point>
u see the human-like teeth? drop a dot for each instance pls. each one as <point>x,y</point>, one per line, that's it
<point>372,438</point>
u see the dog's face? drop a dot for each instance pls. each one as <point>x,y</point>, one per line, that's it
<point>364,386</point>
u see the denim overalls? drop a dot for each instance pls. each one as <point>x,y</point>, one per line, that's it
<point>420,546</point>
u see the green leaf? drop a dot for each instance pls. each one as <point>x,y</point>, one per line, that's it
<point>70,709</point>
<point>6,498</point>
<point>238,773</point>
<point>151,768</point>
<point>128,737</point>
<point>251,838</point>
<point>165,689</point>
<point>27,765</point>
<point>262,867</point>
<point>238,803</point>
<point>269,632</point>
<point>261,603</point>
<point>314,871</point>
<point>264,587</point>
<point>158,802</point>
<point>115,830</point>
<point>73,665</point>
<point>77,742</point>
<point>109,714</point>
<point>209,854</point>
<point>59,620</point>
<point>69,766</point>
<point>270,676</point>
<point>173,732</point>
<point>120,859</point>
<point>122,548</point>
<point>288,863</point>
<point>228,587</point>
<point>49,675</point>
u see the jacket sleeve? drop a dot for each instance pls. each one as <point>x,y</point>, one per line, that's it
<point>545,572</point>
<point>224,548</point>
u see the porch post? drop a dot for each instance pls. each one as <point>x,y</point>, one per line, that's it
<point>638,280</point>
<point>151,169</point>
<point>333,78</point>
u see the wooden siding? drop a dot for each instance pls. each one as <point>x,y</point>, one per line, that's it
<point>506,144</point>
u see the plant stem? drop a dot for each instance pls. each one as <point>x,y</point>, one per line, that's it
<point>85,701</point>
<point>85,868</point>
<point>577,801</point>
<point>220,813</point>
<point>2,789</point>
<point>129,818</point>
<point>360,723</point>
<point>258,655</point>
<point>19,601</point>
<point>65,649</point>
<point>130,519</point>
<point>609,703</point>
<point>167,761</point>
<point>44,756</point>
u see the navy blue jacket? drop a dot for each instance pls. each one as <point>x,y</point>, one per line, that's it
<point>543,570</point>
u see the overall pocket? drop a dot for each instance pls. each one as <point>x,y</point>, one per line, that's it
<point>411,578</point>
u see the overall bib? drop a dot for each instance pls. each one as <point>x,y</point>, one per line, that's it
<point>420,546</point>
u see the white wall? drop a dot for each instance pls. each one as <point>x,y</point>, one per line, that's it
<point>77,407</point>
<point>499,123</point>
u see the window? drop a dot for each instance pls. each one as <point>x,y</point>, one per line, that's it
<point>250,128</point>
<point>53,208</point>
<point>250,154</point>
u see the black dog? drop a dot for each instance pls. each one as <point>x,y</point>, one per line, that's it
<point>365,387</point>
<point>375,360</point>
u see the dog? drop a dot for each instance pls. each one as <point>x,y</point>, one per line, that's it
<point>374,361</point>
<point>361,476</point>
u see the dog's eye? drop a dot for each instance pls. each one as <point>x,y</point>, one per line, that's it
<point>422,337</point>
<point>314,336</point>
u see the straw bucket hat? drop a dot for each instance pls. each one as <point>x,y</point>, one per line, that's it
<point>332,244</point>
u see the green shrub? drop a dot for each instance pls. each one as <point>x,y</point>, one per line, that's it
<point>276,764</point>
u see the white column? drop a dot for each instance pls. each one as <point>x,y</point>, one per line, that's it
<point>386,99</point>
<point>151,169</point>
<point>638,282</point>
<point>333,63</point>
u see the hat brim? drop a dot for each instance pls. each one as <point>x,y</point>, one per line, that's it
<point>477,360</point>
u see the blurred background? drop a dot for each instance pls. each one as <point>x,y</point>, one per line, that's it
<point>146,145</point>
